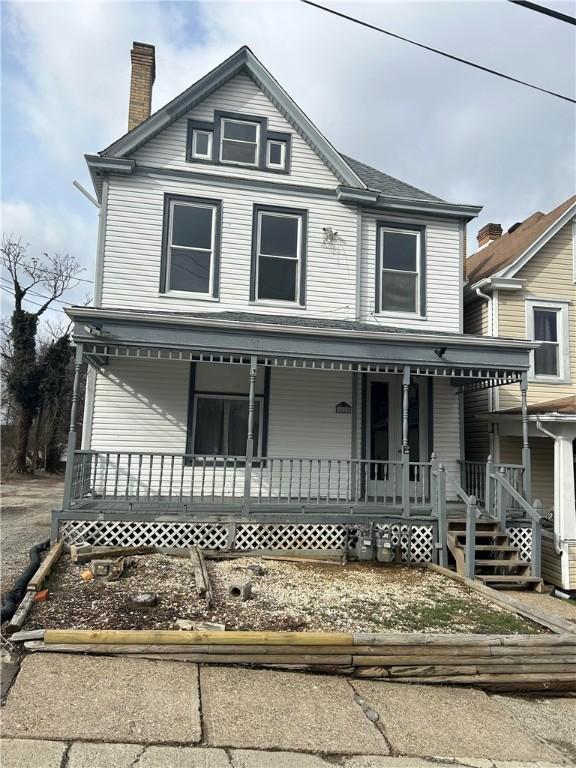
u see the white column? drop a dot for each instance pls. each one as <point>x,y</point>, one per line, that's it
<point>564,492</point>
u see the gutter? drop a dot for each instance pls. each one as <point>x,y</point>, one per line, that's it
<point>78,313</point>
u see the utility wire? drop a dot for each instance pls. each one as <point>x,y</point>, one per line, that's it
<point>36,303</point>
<point>47,271</point>
<point>546,11</point>
<point>34,293</point>
<point>436,50</point>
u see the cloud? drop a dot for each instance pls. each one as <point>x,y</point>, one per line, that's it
<point>451,130</point>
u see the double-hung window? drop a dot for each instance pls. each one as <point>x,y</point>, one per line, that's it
<point>221,425</point>
<point>547,324</point>
<point>240,142</point>
<point>279,255</point>
<point>191,232</point>
<point>399,269</point>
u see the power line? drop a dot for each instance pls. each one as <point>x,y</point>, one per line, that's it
<point>36,303</point>
<point>48,272</point>
<point>546,11</point>
<point>34,293</point>
<point>439,52</point>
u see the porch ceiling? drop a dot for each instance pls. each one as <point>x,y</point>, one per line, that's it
<point>232,337</point>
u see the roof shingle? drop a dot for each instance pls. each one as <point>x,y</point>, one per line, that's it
<point>388,185</point>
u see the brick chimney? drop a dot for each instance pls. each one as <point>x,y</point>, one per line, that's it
<point>488,233</point>
<point>141,82</point>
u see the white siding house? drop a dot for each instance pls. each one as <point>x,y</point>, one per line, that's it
<point>275,325</point>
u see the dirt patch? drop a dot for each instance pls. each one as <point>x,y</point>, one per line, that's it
<point>288,596</point>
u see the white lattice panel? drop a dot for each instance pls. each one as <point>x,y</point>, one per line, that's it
<point>266,536</point>
<point>522,538</point>
<point>416,541</point>
<point>144,533</point>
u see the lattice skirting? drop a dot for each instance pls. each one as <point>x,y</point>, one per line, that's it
<point>521,537</point>
<point>416,542</point>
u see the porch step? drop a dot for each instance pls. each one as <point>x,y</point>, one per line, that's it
<point>502,563</point>
<point>494,580</point>
<point>495,547</point>
<point>456,525</point>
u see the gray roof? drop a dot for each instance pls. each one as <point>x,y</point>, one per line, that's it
<point>388,185</point>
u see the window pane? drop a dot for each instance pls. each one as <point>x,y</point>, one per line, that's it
<point>238,427</point>
<point>379,426</point>
<point>192,226</point>
<point>275,153</point>
<point>277,279</point>
<point>399,251</point>
<point>545,325</point>
<point>189,271</point>
<point>209,435</point>
<point>236,152</point>
<point>201,142</point>
<point>399,292</point>
<point>240,131</point>
<point>279,235</point>
<point>546,360</point>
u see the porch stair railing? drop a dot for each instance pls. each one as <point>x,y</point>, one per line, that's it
<point>474,475</point>
<point>480,542</point>
<point>147,477</point>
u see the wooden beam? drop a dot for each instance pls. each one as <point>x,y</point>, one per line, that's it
<point>46,566</point>
<point>191,637</point>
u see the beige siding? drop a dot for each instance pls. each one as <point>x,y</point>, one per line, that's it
<point>542,454</point>
<point>551,562</point>
<point>443,279</point>
<point>242,95</point>
<point>548,275</point>
<point>572,565</point>
<point>134,245</point>
<point>476,404</point>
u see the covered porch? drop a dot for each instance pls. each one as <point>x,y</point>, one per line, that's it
<point>252,414</point>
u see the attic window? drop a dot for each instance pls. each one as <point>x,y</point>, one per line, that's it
<point>276,155</point>
<point>240,143</point>
<point>201,144</point>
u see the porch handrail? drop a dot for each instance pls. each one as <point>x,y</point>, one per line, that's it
<point>189,478</point>
<point>534,512</point>
<point>471,503</point>
<point>438,499</point>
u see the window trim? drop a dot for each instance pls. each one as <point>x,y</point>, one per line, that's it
<point>261,122</point>
<point>412,229</point>
<point>200,202</point>
<point>199,125</point>
<point>264,414</point>
<point>282,164</point>
<point>300,213</point>
<point>563,334</point>
<point>195,154</point>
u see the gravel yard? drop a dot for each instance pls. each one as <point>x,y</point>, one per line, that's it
<point>288,596</point>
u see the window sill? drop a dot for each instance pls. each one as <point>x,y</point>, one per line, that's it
<point>188,295</point>
<point>401,316</point>
<point>548,379</point>
<point>278,304</point>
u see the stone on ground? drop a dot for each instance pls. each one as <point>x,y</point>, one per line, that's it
<point>84,755</point>
<point>247,758</point>
<point>183,757</point>
<point>24,753</point>
<point>95,698</point>
<point>429,721</point>
<point>264,709</point>
<point>551,719</point>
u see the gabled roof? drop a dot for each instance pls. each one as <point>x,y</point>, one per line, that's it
<point>507,254</point>
<point>388,185</point>
<point>241,61</point>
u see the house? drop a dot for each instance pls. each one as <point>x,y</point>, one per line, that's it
<point>276,345</point>
<point>523,283</point>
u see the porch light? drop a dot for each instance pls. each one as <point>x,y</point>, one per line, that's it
<point>343,407</point>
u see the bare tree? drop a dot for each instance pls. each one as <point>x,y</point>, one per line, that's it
<point>51,276</point>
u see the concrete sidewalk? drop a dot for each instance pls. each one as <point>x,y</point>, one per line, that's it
<point>76,711</point>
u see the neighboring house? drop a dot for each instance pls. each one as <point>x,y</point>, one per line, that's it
<point>523,283</point>
<point>277,331</point>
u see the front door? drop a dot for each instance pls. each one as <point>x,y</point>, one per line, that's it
<point>384,434</point>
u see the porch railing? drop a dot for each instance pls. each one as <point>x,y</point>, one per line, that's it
<point>474,478</point>
<point>140,477</point>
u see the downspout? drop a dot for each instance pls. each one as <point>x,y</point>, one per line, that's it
<point>488,298</point>
<point>557,546</point>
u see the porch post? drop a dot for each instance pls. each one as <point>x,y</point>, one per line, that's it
<point>250,438</point>
<point>72,431</point>
<point>405,444</point>
<point>526,461</point>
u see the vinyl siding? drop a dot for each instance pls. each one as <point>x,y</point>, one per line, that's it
<point>242,95</point>
<point>476,404</point>
<point>443,278</point>
<point>542,456</point>
<point>551,561</point>
<point>133,248</point>
<point>447,427</point>
<point>548,275</point>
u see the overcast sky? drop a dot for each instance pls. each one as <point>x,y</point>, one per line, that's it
<point>459,133</point>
